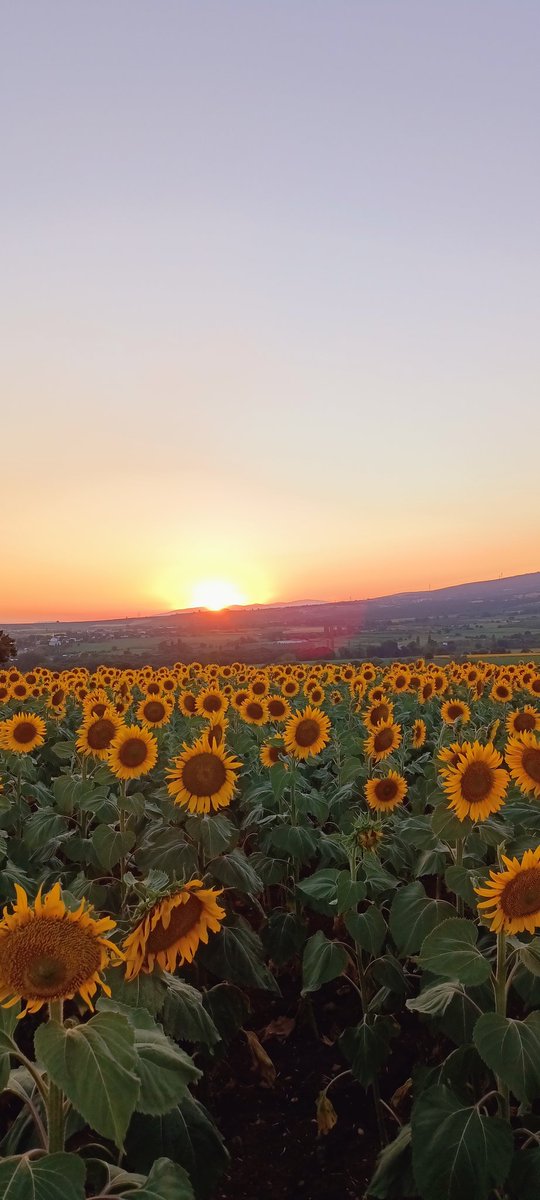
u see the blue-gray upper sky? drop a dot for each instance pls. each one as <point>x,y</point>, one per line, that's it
<point>269,297</point>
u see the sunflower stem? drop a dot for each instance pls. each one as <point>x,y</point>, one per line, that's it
<point>500,1007</point>
<point>458,862</point>
<point>55,1097</point>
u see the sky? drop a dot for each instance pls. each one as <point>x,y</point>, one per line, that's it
<point>269,300</point>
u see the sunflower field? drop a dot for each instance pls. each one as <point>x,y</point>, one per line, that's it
<point>270,932</point>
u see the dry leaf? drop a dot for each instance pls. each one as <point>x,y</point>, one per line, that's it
<point>282,1027</point>
<point>326,1114</point>
<point>262,1063</point>
<point>400,1093</point>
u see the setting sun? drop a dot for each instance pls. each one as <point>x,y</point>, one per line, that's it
<point>216,594</point>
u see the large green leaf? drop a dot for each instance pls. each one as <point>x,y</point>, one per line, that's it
<point>145,991</point>
<point>523,1182</point>
<point>323,961</point>
<point>283,936</point>
<point>166,1181</point>
<point>393,1175</point>
<point>512,1050</point>
<point>320,890</point>
<point>413,915</point>
<point>53,1177</point>
<point>184,1015</point>
<point>237,955</point>
<point>187,1135</point>
<point>110,845</point>
<point>451,950</point>
<point>458,1154</point>
<point>95,1064</point>
<point>234,870</point>
<point>164,1070</point>
<point>368,929</point>
<point>215,834</point>
<point>367,1046</point>
<point>296,840</point>
<point>436,999</point>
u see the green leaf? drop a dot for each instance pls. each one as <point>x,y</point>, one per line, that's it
<point>530,956</point>
<point>237,955</point>
<point>184,1015</point>
<point>63,789</point>
<point>368,929</point>
<point>145,991</point>
<point>447,826</point>
<point>435,1000</point>
<point>378,879</point>
<point>413,915</point>
<point>53,1177</point>
<point>8,1024</point>
<point>187,1135</point>
<point>351,768</point>
<point>320,890</point>
<point>44,827</point>
<point>295,840</point>
<point>228,1008</point>
<point>323,961</point>
<point>458,880</point>
<point>234,870</point>
<point>95,1065</point>
<point>458,1154</point>
<point>512,1050</point>
<point>166,1181</point>
<point>164,1070</point>
<point>523,1182</point>
<point>393,1175</point>
<point>283,936</point>
<point>110,845</point>
<point>349,892</point>
<point>215,834</point>
<point>451,950</point>
<point>366,1047</point>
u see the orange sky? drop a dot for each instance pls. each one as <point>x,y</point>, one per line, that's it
<point>269,303</point>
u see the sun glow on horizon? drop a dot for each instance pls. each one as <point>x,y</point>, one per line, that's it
<point>216,594</point>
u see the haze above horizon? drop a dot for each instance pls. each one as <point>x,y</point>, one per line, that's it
<point>270,302</point>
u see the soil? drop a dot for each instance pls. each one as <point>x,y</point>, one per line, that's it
<point>271,1129</point>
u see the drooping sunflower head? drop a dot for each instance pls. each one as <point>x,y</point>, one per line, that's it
<point>307,733</point>
<point>477,785</point>
<point>133,752</point>
<point>49,953</point>
<point>419,733</point>
<point>383,740</point>
<point>512,899</point>
<point>96,734</point>
<point>386,793</point>
<point>170,932</point>
<point>455,710</point>
<point>155,711</point>
<point>22,733</point>
<point>523,759</point>
<point>203,777</point>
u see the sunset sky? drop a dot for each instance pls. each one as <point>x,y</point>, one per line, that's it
<point>269,300</point>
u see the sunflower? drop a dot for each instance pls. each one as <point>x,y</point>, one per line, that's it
<point>20,690</point>
<point>95,736</point>
<point>187,703</point>
<point>382,740</point>
<point>523,758</point>
<point>477,785</point>
<point>22,733</point>
<point>419,733</point>
<point>270,752</point>
<point>49,953</point>
<point>238,698</point>
<point>378,714</point>
<point>216,731</point>
<point>386,793</point>
<point>513,896</point>
<point>502,692</point>
<point>260,686</point>
<point>133,752</point>
<point>254,711</point>
<point>307,733</point>
<point>169,934</point>
<point>523,720</point>
<point>290,688</point>
<point>154,711</point>
<point>316,694</point>
<point>426,690</point>
<point>455,710</point>
<point>203,777</point>
<point>278,708</point>
<point>211,703</point>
